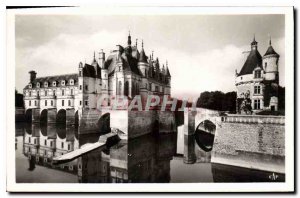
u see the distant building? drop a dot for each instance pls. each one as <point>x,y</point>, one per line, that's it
<point>126,71</point>
<point>258,80</point>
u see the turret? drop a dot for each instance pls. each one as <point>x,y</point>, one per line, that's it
<point>80,69</point>
<point>254,44</point>
<point>143,63</point>
<point>101,59</point>
<point>168,75</point>
<point>270,63</point>
<point>94,62</point>
<point>32,76</point>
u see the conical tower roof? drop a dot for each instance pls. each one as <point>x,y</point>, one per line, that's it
<point>270,50</point>
<point>143,57</point>
<point>254,59</point>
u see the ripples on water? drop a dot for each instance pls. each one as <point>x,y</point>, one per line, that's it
<point>147,159</point>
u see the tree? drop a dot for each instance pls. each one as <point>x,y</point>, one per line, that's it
<point>217,100</point>
<point>18,99</point>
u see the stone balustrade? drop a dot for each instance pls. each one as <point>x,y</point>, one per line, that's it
<point>266,119</point>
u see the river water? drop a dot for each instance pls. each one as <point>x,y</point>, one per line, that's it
<point>165,158</point>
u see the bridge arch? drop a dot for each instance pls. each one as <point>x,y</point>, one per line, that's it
<point>104,123</point>
<point>205,134</point>
<point>61,116</point>
<point>61,131</point>
<point>44,116</point>
<point>28,115</point>
<point>76,119</point>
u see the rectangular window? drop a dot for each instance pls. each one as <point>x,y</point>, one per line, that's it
<point>45,142</point>
<point>256,89</point>
<point>54,92</point>
<point>29,140</point>
<point>80,87</point>
<point>34,141</point>
<point>51,144</point>
<point>35,103</point>
<point>80,102</point>
<point>86,87</point>
<point>256,104</point>
<point>257,74</point>
<point>62,145</point>
<point>51,102</point>
<point>62,103</point>
<point>86,103</point>
<point>29,102</point>
<point>45,93</point>
<point>38,93</point>
<point>71,91</point>
<point>69,102</point>
<point>62,92</point>
<point>45,102</point>
<point>69,148</point>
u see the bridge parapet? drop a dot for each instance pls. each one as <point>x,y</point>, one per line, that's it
<point>255,119</point>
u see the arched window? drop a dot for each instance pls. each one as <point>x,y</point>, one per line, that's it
<point>126,88</point>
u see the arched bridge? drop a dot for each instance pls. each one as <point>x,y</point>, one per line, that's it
<point>202,123</point>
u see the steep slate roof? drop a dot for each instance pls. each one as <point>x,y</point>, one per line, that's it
<point>57,79</point>
<point>271,51</point>
<point>253,60</point>
<point>168,72</point>
<point>90,71</point>
<point>143,58</point>
<point>129,62</point>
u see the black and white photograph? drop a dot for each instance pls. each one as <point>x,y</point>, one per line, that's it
<point>165,99</point>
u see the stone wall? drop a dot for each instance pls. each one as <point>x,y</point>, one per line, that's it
<point>167,121</point>
<point>141,123</point>
<point>257,145</point>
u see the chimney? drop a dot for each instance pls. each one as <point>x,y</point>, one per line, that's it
<point>32,76</point>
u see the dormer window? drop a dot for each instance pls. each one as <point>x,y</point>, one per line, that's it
<point>63,83</point>
<point>257,74</point>
<point>30,85</point>
<point>46,84</point>
<point>71,82</point>
<point>38,85</point>
<point>54,84</point>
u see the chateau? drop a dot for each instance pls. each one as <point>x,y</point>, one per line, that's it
<point>257,82</point>
<point>127,71</point>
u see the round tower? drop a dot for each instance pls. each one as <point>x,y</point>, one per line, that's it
<point>270,63</point>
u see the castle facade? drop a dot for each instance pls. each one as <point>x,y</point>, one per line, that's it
<point>127,71</point>
<point>258,80</point>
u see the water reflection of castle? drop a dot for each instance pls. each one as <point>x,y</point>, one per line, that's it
<point>143,159</point>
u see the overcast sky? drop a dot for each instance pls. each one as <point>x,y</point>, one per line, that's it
<point>203,51</point>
